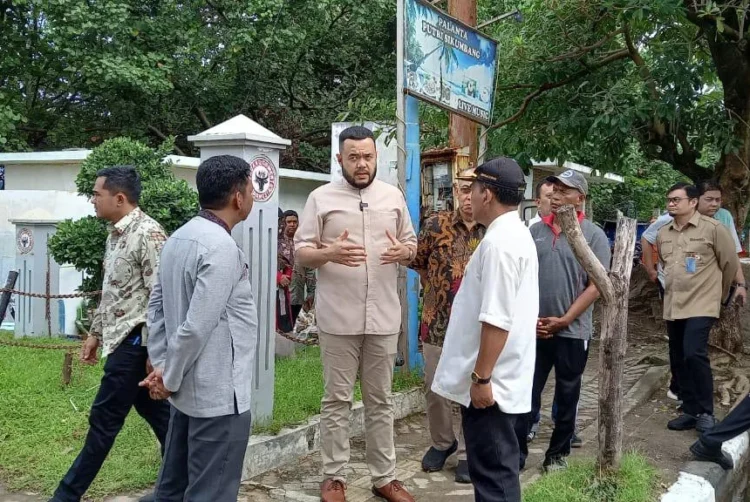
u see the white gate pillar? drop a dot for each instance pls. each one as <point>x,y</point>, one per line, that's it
<point>244,138</point>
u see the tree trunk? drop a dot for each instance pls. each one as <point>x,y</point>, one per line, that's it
<point>614,290</point>
<point>733,169</point>
<point>726,333</point>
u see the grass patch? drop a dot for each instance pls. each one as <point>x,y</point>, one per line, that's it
<point>635,482</point>
<point>41,431</point>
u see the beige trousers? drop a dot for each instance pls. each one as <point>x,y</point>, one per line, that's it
<point>440,416</point>
<point>373,357</point>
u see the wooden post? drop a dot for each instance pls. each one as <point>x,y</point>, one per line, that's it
<point>613,288</point>
<point>67,370</point>
<point>462,132</point>
<point>5,297</point>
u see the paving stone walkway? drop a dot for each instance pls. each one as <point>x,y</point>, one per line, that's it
<point>299,482</point>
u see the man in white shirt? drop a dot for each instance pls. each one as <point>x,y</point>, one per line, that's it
<point>491,337</point>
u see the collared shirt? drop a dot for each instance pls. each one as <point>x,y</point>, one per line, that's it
<point>364,299</point>
<point>445,246</point>
<point>203,321</point>
<point>131,260</point>
<point>215,219</point>
<point>699,263</point>
<point>303,284</point>
<point>722,215</point>
<point>500,288</point>
<point>561,278</point>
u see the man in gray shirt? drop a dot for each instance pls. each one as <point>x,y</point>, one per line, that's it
<point>203,332</point>
<point>566,304</point>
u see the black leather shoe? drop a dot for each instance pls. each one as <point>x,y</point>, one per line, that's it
<point>434,459</point>
<point>705,422</point>
<point>684,422</point>
<point>715,455</point>
<point>462,472</point>
<point>148,498</point>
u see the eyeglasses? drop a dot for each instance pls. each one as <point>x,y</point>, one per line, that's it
<point>676,200</point>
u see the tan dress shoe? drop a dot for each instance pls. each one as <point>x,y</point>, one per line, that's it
<point>393,492</point>
<point>332,490</point>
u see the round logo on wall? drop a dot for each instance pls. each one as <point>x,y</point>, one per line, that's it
<point>264,178</point>
<point>25,241</point>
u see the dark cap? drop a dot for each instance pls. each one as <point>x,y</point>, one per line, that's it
<point>502,172</point>
<point>572,179</point>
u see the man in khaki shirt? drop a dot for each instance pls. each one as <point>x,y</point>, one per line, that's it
<point>355,233</point>
<point>699,260</point>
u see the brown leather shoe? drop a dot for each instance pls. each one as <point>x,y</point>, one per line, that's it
<point>393,492</point>
<point>332,490</point>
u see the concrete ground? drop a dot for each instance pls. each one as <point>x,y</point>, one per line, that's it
<point>300,481</point>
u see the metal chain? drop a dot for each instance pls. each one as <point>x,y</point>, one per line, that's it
<point>43,346</point>
<point>51,297</point>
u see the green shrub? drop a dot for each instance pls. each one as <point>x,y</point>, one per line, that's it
<point>168,200</point>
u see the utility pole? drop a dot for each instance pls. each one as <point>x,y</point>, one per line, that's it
<point>463,132</point>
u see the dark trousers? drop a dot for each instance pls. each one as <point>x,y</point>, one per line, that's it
<point>737,422</point>
<point>674,383</point>
<point>492,451</point>
<point>296,309</point>
<point>118,393</point>
<point>688,341</point>
<point>568,356</point>
<point>203,458</point>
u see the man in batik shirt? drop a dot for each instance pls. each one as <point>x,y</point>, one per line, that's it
<point>131,258</point>
<point>446,242</point>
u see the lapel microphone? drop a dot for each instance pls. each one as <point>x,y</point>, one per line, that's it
<point>362,205</point>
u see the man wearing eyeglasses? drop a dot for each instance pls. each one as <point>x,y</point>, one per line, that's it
<point>700,262</point>
<point>709,204</point>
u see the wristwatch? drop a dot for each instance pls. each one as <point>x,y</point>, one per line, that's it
<point>478,380</point>
<point>740,285</point>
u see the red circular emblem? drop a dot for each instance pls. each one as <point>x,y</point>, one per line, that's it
<point>264,178</point>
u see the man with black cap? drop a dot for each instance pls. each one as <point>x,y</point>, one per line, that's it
<point>489,343</point>
<point>566,303</point>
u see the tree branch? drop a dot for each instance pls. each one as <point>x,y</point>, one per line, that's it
<point>164,137</point>
<point>582,51</point>
<point>622,54</point>
<point>709,20</point>
<point>567,219</point>
<point>202,117</point>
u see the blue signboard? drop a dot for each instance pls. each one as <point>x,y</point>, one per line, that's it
<point>448,63</point>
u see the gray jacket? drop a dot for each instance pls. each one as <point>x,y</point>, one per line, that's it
<point>203,326</point>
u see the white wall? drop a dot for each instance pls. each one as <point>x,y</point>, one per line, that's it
<point>14,204</point>
<point>187,174</point>
<point>41,177</point>
<point>293,193</point>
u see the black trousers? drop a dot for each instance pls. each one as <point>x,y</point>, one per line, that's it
<point>688,341</point>
<point>203,458</point>
<point>118,393</point>
<point>568,356</point>
<point>737,422</point>
<point>296,309</point>
<point>492,451</point>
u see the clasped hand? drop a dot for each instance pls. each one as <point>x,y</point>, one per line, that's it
<point>155,384</point>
